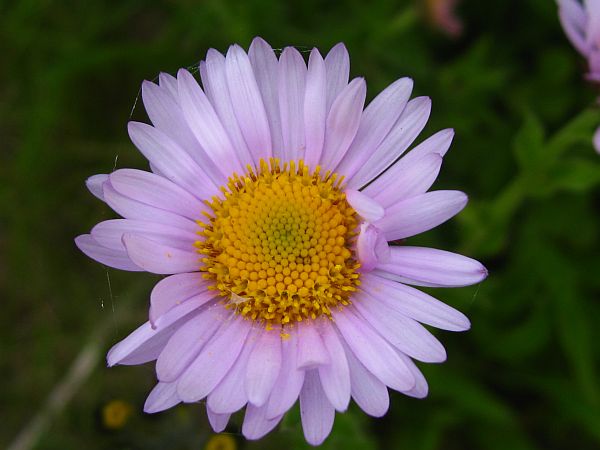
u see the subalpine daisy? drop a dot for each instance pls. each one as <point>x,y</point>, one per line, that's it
<point>271,205</point>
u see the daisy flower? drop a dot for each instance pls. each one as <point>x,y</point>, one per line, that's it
<point>271,203</point>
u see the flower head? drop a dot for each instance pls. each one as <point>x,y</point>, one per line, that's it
<point>271,203</point>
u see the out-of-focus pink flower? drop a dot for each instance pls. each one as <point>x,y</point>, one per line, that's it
<point>442,15</point>
<point>597,140</point>
<point>581,22</point>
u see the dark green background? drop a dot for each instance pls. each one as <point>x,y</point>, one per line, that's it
<point>524,377</point>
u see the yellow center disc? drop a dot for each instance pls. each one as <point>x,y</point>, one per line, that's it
<point>279,247</point>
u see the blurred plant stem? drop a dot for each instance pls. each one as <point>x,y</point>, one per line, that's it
<point>80,370</point>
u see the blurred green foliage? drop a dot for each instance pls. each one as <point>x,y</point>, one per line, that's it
<point>525,376</point>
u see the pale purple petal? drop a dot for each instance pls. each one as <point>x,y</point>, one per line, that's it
<point>187,342</point>
<point>404,333</point>
<point>133,209</point>
<point>146,342</point>
<point>264,63</point>
<point>292,80</point>
<point>214,361</point>
<point>290,380</point>
<point>163,396</point>
<point>157,258</point>
<point>311,349</point>
<point>162,105</point>
<point>371,247</point>
<point>414,303</point>
<point>335,376</point>
<point>573,19</point>
<point>171,160</point>
<point>438,143</point>
<point>107,256</point>
<point>421,388</point>
<point>365,206</point>
<point>169,82</point>
<point>407,128</point>
<point>94,184</point>
<point>174,290</point>
<point>218,422</point>
<point>316,412</point>
<point>597,140</point>
<point>337,66</point>
<point>256,424</point>
<point>315,108</point>
<point>110,234</point>
<point>215,85</point>
<point>367,391</point>
<point>415,179</point>
<point>263,367</point>
<point>230,394</point>
<point>249,108</point>
<point>420,213</point>
<point>157,191</point>
<point>432,267</point>
<point>373,351</point>
<point>342,122</point>
<point>376,122</point>
<point>204,122</point>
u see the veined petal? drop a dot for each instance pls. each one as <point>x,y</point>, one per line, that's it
<point>256,423</point>
<point>95,185</point>
<point>335,376</point>
<point>157,258</point>
<point>133,209</point>
<point>366,207</point>
<point>416,179</point>
<point>414,303</point>
<point>407,128</point>
<point>214,361</point>
<point>342,122</point>
<point>214,80</point>
<point>206,126</point>
<point>404,333</point>
<point>110,234</point>
<point>187,342</point>
<point>432,267</point>
<point>376,122</point>
<point>263,367</point>
<point>376,354</point>
<point>311,349</point>
<point>316,412</point>
<point>157,191</point>
<point>146,342</point>
<point>421,213</point>
<point>292,81</point>
<point>264,63</point>
<point>290,380</point>
<point>337,68</point>
<point>218,422</point>
<point>315,108</point>
<point>171,160</point>
<point>249,108</point>
<point>108,256</point>
<point>174,290</point>
<point>230,394</point>
<point>163,396</point>
<point>367,391</point>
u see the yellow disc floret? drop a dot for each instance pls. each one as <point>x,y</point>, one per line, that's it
<point>279,246</point>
